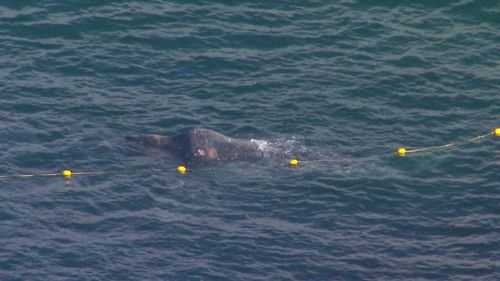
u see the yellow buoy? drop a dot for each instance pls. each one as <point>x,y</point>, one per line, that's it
<point>294,162</point>
<point>497,132</point>
<point>181,169</point>
<point>402,151</point>
<point>67,173</point>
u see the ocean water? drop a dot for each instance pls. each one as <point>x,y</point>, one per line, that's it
<point>346,82</point>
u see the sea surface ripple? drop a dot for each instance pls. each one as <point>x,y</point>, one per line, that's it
<point>350,81</point>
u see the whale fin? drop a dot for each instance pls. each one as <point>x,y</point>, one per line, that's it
<point>158,141</point>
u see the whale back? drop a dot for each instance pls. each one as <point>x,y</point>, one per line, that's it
<point>199,146</point>
<point>205,145</point>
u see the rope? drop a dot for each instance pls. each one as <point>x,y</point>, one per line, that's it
<point>402,151</point>
<point>293,162</point>
<point>65,173</point>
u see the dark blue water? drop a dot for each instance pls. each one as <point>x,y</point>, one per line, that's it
<point>350,81</point>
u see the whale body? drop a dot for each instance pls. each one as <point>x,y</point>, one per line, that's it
<point>204,146</point>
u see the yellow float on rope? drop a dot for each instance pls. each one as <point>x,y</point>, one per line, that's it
<point>401,151</point>
<point>496,132</point>
<point>294,162</point>
<point>67,173</point>
<point>181,169</point>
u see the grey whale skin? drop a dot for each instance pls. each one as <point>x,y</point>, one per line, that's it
<point>203,146</point>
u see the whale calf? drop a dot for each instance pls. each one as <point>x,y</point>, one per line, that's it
<point>201,146</point>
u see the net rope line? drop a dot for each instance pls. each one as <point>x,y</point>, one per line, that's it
<point>448,144</point>
<point>69,173</point>
<point>403,151</point>
<point>57,174</point>
<point>182,169</point>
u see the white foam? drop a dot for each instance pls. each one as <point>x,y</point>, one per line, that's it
<point>261,144</point>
